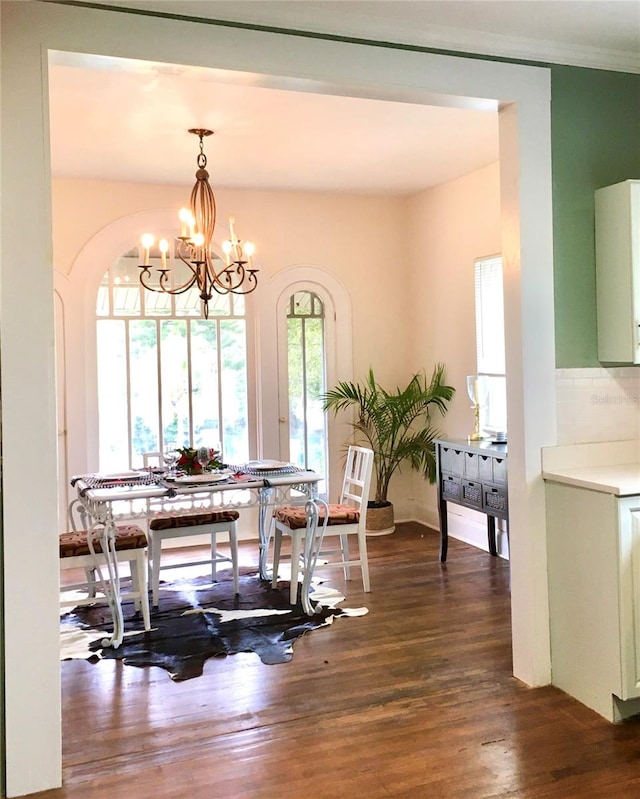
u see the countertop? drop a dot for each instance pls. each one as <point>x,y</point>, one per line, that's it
<point>622,480</point>
<point>611,467</point>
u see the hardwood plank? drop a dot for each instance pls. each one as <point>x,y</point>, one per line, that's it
<point>415,699</point>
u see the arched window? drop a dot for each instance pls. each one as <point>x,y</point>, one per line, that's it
<point>306,361</point>
<point>167,375</point>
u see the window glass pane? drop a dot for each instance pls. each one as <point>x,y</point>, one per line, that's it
<point>490,340</point>
<point>174,382</point>
<point>220,305</point>
<point>145,418</point>
<point>189,303</point>
<point>177,380</point>
<point>180,273</point>
<point>157,304</point>
<point>314,369</point>
<point>233,349</point>
<point>495,417</point>
<point>125,271</point>
<point>238,305</point>
<point>306,375</point>
<point>102,301</point>
<point>302,301</point>
<point>296,394</point>
<point>113,428</point>
<point>489,316</point>
<point>204,369</point>
<point>126,300</point>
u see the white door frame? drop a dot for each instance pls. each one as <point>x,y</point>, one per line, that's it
<point>338,341</point>
<point>28,30</point>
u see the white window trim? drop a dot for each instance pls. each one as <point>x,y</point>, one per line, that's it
<point>481,367</point>
<point>272,344</point>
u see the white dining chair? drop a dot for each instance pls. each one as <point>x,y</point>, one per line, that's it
<point>186,524</point>
<point>171,523</point>
<point>130,544</point>
<point>347,517</point>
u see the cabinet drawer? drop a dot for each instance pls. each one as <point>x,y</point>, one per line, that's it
<point>471,465</point>
<point>444,458</point>
<point>456,458</point>
<point>471,494</point>
<point>452,460</point>
<point>450,488</point>
<point>500,470</point>
<point>494,501</point>
<point>485,468</point>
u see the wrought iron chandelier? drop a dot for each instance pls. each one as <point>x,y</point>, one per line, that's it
<point>194,247</point>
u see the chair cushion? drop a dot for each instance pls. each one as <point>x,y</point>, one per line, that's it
<point>128,536</point>
<point>181,518</point>
<point>294,516</point>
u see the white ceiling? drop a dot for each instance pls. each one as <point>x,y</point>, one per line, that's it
<point>135,114</point>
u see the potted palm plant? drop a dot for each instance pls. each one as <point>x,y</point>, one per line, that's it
<point>397,426</point>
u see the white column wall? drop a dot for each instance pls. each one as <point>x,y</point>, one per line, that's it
<point>29,502</point>
<point>527,257</point>
<point>28,412</point>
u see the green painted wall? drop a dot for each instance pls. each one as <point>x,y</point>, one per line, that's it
<point>595,133</point>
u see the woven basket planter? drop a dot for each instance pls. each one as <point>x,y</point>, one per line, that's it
<point>380,520</point>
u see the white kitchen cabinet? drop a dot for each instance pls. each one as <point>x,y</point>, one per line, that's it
<point>594,597</point>
<point>618,272</point>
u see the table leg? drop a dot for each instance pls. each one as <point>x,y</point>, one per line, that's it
<point>115,600</point>
<point>314,535</point>
<point>264,528</point>
<point>444,529</point>
<point>491,535</point>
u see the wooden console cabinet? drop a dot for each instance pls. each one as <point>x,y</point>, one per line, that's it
<point>473,474</point>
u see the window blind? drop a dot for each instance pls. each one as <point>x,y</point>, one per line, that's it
<point>489,300</point>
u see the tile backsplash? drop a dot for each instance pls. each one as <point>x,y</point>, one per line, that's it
<point>598,404</point>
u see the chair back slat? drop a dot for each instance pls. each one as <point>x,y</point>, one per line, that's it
<point>357,479</point>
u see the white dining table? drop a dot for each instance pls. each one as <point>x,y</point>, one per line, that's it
<point>98,495</point>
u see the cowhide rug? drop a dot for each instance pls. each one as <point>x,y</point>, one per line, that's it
<point>196,620</point>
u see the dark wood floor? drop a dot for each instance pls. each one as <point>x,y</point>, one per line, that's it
<point>415,699</point>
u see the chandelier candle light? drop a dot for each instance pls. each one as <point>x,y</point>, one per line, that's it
<point>194,247</point>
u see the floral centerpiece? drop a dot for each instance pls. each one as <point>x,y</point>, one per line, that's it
<point>188,461</point>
